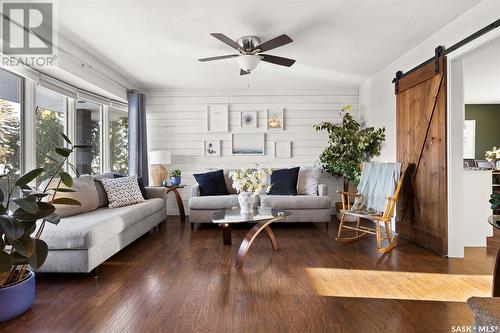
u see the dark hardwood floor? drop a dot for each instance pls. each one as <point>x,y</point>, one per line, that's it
<point>175,280</point>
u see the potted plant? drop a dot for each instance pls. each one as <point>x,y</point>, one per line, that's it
<point>495,202</point>
<point>175,177</point>
<point>20,244</point>
<point>348,146</point>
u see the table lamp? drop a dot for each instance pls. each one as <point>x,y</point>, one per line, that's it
<point>158,160</point>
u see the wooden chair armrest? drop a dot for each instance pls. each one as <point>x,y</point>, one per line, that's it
<point>346,193</point>
<point>346,202</point>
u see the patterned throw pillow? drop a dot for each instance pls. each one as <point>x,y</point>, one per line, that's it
<point>122,191</point>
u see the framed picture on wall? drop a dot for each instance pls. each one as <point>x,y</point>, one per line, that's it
<point>275,119</point>
<point>282,149</point>
<point>212,148</point>
<point>217,118</point>
<point>469,139</point>
<point>248,144</point>
<point>248,119</point>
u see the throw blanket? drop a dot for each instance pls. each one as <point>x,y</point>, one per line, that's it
<point>378,181</point>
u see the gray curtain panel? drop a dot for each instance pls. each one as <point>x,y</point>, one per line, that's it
<point>137,135</point>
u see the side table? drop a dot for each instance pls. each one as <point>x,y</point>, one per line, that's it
<point>178,198</point>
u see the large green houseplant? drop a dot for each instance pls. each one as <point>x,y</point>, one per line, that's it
<point>348,146</point>
<point>20,242</point>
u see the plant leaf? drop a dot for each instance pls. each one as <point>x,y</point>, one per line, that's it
<point>64,152</point>
<point>62,189</point>
<point>18,259</point>
<point>66,138</point>
<point>24,245</point>
<point>28,204</point>
<point>36,194</point>
<point>52,159</point>
<point>83,146</point>
<point>29,176</point>
<point>5,262</point>
<point>40,251</point>
<point>75,169</point>
<point>44,209</point>
<point>66,178</point>
<point>53,218</point>
<point>29,226</point>
<point>10,227</point>
<point>67,201</point>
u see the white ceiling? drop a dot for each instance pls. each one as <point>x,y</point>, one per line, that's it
<point>157,43</point>
<point>482,74</point>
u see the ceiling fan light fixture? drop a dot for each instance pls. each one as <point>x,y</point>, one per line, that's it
<point>248,62</point>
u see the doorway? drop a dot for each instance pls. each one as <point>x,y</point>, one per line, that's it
<point>473,97</point>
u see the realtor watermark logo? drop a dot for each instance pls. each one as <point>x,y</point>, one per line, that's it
<point>28,34</point>
<point>475,329</point>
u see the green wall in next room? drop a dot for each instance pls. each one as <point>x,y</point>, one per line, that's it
<point>487,117</point>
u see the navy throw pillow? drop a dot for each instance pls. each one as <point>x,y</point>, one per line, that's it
<point>284,181</point>
<point>211,183</point>
<point>140,182</point>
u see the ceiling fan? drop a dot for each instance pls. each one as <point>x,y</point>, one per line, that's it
<point>250,51</point>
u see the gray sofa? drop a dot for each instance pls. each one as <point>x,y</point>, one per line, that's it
<point>304,208</point>
<point>80,243</point>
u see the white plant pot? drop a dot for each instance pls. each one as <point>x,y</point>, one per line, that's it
<point>245,200</point>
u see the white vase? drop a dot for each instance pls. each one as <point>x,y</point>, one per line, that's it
<point>497,165</point>
<point>245,200</point>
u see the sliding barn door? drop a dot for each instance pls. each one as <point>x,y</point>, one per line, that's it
<point>421,143</point>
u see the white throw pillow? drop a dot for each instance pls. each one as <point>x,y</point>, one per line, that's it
<point>86,194</point>
<point>308,181</point>
<point>122,191</point>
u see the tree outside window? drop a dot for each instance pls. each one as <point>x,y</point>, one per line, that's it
<point>118,141</point>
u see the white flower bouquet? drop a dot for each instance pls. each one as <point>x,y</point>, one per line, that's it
<point>493,155</point>
<point>255,181</point>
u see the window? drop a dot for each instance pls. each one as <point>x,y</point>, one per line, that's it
<point>118,141</point>
<point>51,118</point>
<point>10,124</point>
<point>88,128</point>
<point>28,136</point>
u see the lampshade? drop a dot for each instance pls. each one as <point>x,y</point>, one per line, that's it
<point>159,157</point>
<point>248,62</point>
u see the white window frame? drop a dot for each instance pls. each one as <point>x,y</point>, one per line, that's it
<point>28,125</point>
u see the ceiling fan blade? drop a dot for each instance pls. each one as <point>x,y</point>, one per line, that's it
<point>219,57</point>
<point>274,43</point>
<point>277,60</point>
<point>242,72</point>
<point>226,40</point>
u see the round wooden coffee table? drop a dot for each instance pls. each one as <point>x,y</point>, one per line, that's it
<point>262,216</point>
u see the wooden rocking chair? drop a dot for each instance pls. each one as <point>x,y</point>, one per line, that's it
<point>385,219</point>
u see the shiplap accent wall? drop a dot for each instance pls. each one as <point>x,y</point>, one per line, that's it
<point>177,122</point>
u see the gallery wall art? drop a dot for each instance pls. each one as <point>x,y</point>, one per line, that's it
<point>245,142</point>
<point>212,148</point>
<point>248,144</point>
<point>217,118</point>
<point>248,119</point>
<point>275,119</point>
<point>469,139</point>
<point>282,149</point>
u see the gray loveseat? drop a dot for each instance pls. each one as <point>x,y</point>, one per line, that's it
<point>304,208</point>
<point>80,243</point>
